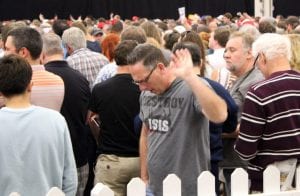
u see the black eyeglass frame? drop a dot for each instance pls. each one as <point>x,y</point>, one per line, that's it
<point>147,78</point>
<point>255,60</point>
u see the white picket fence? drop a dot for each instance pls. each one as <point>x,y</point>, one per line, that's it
<point>206,185</point>
<point>54,191</point>
<point>205,182</point>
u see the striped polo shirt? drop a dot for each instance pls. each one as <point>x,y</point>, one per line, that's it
<point>270,124</point>
<point>48,89</point>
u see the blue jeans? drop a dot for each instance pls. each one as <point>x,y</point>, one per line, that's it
<point>215,171</point>
<point>149,192</point>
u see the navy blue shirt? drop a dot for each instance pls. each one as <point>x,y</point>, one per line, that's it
<point>228,126</point>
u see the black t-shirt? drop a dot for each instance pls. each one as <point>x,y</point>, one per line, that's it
<point>116,100</point>
<point>74,107</point>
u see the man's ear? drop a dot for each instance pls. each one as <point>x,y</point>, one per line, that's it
<point>69,49</point>
<point>29,87</point>
<point>42,58</point>
<point>263,57</point>
<point>24,52</point>
<point>249,54</point>
<point>161,66</point>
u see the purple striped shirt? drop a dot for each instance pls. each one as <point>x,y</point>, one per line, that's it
<point>270,124</point>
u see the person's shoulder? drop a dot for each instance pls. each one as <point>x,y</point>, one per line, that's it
<point>277,77</point>
<point>43,75</point>
<point>50,117</point>
<point>107,71</point>
<point>106,84</point>
<point>74,73</point>
<point>96,54</point>
<point>212,83</point>
<point>255,76</point>
<point>46,111</point>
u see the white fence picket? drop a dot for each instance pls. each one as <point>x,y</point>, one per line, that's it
<point>286,193</point>
<point>271,180</point>
<point>172,186</point>
<point>14,194</point>
<point>298,178</point>
<point>239,185</point>
<point>239,182</point>
<point>206,184</point>
<point>101,190</point>
<point>136,187</point>
<point>54,191</point>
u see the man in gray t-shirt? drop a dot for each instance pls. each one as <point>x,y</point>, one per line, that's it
<point>175,108</point>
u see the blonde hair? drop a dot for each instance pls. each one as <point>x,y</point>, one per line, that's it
<point>154,42</point>
<point>152,30</point>
<point>295,48</point>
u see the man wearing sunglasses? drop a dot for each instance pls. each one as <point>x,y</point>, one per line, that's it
<point>176,106</point>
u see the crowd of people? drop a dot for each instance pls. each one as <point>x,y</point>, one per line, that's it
<point>94,100</point>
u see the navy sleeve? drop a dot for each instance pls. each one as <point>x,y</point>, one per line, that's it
<point>230,123</point>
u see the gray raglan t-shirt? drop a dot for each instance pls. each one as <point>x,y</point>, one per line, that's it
<point>238,93</point>
<point>178,141</point>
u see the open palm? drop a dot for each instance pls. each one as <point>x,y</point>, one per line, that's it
<point>182,64</point>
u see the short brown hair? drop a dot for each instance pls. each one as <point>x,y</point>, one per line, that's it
<point>15,75</point>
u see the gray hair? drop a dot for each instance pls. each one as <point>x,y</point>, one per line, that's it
<point>74,37</point>
<point>251,30</point>
<point>272,45</point>
<point>247,39</point>
<point>52,44</point>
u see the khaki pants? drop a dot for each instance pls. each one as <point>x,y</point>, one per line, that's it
<point>116,172</point>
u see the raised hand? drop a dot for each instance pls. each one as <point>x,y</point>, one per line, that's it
<point>182,64</point>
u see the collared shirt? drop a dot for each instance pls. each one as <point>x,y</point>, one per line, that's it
<point>88,63</point>
<point>270,124</point>
<point>48,89</point>
<point>238,92</point>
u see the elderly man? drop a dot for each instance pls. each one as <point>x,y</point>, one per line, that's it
<point>74,110</point>
<point>81,58</point>
<point>175,108</point>
<point>270,125</point>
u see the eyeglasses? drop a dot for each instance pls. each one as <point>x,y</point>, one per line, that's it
<point>146,79</point>
<point>255,60</point>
